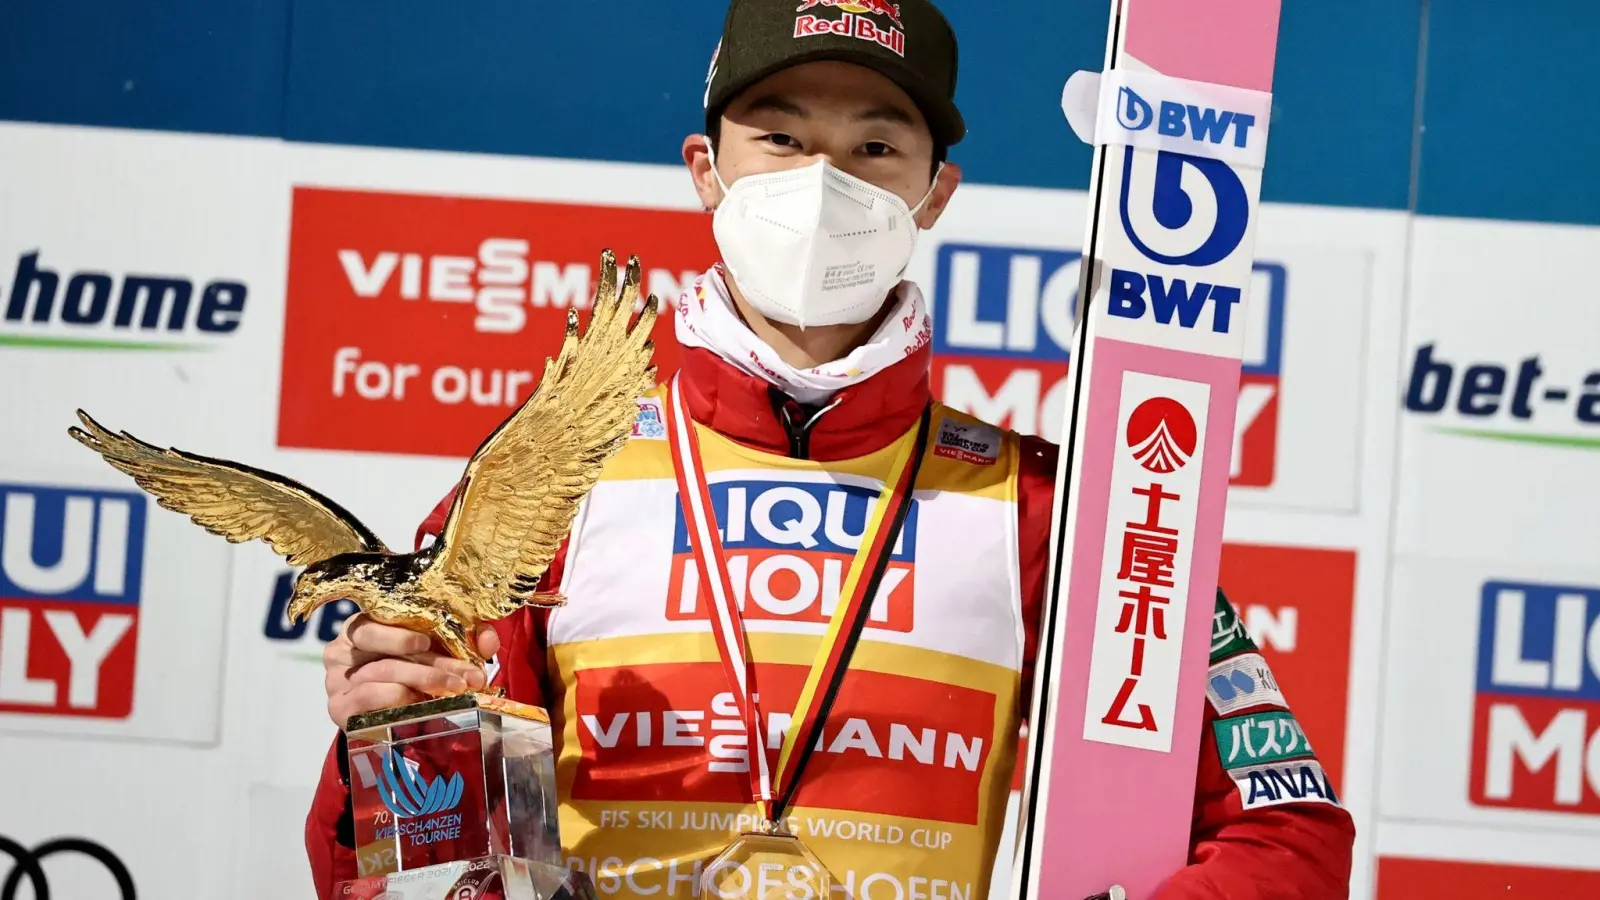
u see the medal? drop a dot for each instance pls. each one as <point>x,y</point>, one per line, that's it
<point>773,862</point>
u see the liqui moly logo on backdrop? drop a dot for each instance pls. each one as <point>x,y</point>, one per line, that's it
<point>440,311</point>
<point>893,744</point>
<point>71,567</point>
<point>1003,319</point>
<point>1536,729</point>
<point>789,546</point>
<point>1144,579</point>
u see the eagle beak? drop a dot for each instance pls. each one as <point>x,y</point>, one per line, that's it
<point>304,601</point>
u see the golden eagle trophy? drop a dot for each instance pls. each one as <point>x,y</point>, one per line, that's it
<point>456,793</point>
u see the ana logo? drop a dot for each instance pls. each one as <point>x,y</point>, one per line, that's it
<point>1162,435</point>
<point>855,23</point>
<point>789,546</point>
<point>407,794</point>
<point>894,744</point>
<point>71,567</point>
<point>95,310</point>
<point>1272,784</point>
<point>1536,728</point>
<point>1501,401</point>
<point>1133,113</point>
<point>1003,321</point>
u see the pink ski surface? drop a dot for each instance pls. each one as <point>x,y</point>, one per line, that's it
<point>1108,813</point>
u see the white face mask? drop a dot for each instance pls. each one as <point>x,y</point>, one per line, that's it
<point>814,246</point>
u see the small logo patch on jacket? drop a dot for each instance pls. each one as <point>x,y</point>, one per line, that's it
<point>976,444</point>
<point>649,424</point>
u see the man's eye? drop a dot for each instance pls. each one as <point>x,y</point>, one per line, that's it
<point>783,140</point>
<point>877,148</point>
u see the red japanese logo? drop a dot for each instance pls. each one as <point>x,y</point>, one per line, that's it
<point>1162,435</point>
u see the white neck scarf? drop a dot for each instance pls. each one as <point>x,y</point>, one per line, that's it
<point>706,318</point>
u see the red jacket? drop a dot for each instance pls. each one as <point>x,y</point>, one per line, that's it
<point>1292,850</point>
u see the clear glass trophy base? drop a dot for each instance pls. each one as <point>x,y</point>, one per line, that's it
<point>766,866</point>
<point>485,878</point>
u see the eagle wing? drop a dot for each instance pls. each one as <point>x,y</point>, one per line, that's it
<point>233,500</point>
<point>523,486</point>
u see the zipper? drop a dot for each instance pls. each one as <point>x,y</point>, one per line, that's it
<point>797,428</point>
<point>798,422</point>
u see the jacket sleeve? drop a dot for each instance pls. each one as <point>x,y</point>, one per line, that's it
<point>519,667</point>
<point>1267,824</point>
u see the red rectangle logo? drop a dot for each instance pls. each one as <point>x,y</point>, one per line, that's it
<point>416,324</point>
<point>1411,879</point>
<point>893,745</point>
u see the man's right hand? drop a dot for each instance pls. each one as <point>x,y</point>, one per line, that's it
<point>372,666</point>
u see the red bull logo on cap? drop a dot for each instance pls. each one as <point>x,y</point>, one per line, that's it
<point>860,7</point>
<point>856,22</point>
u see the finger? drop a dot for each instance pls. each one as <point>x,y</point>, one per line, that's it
<point>457,667</point>
<point>417,676</point>
<point>387,640</point>
<point>488,641</point>
<point>367,698</point>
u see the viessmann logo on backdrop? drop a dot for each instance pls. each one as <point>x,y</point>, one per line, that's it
<point>415,324</point>
<point>71,568</point>
<point>1003,317</point>
<point>51,304</point>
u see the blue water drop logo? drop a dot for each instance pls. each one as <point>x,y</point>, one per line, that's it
<point>1133,111</point>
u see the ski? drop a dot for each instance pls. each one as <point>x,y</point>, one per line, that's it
<point>1179,120</point>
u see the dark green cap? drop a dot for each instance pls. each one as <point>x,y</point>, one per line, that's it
<point>910,42</point>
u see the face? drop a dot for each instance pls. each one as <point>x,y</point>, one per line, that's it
<point>857,119</point>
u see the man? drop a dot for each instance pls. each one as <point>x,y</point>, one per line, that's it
<point>804,391</point>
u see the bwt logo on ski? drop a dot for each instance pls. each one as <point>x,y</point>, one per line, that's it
<point>1003,320</point>
<point>1171,300</point>
<point>1502,399</point>
<point>49,306</point>
<point>1174,222</point>
<point>71,565</point>
<point>788,549</point>
<point>1536,729</point>
<point>1198,123</point>
<point>893,745</point>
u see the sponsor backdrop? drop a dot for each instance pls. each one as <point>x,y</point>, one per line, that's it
<point>332,242</point>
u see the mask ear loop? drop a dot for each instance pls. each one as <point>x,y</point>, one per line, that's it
<point>711,156</point>
<point>917,210</point>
